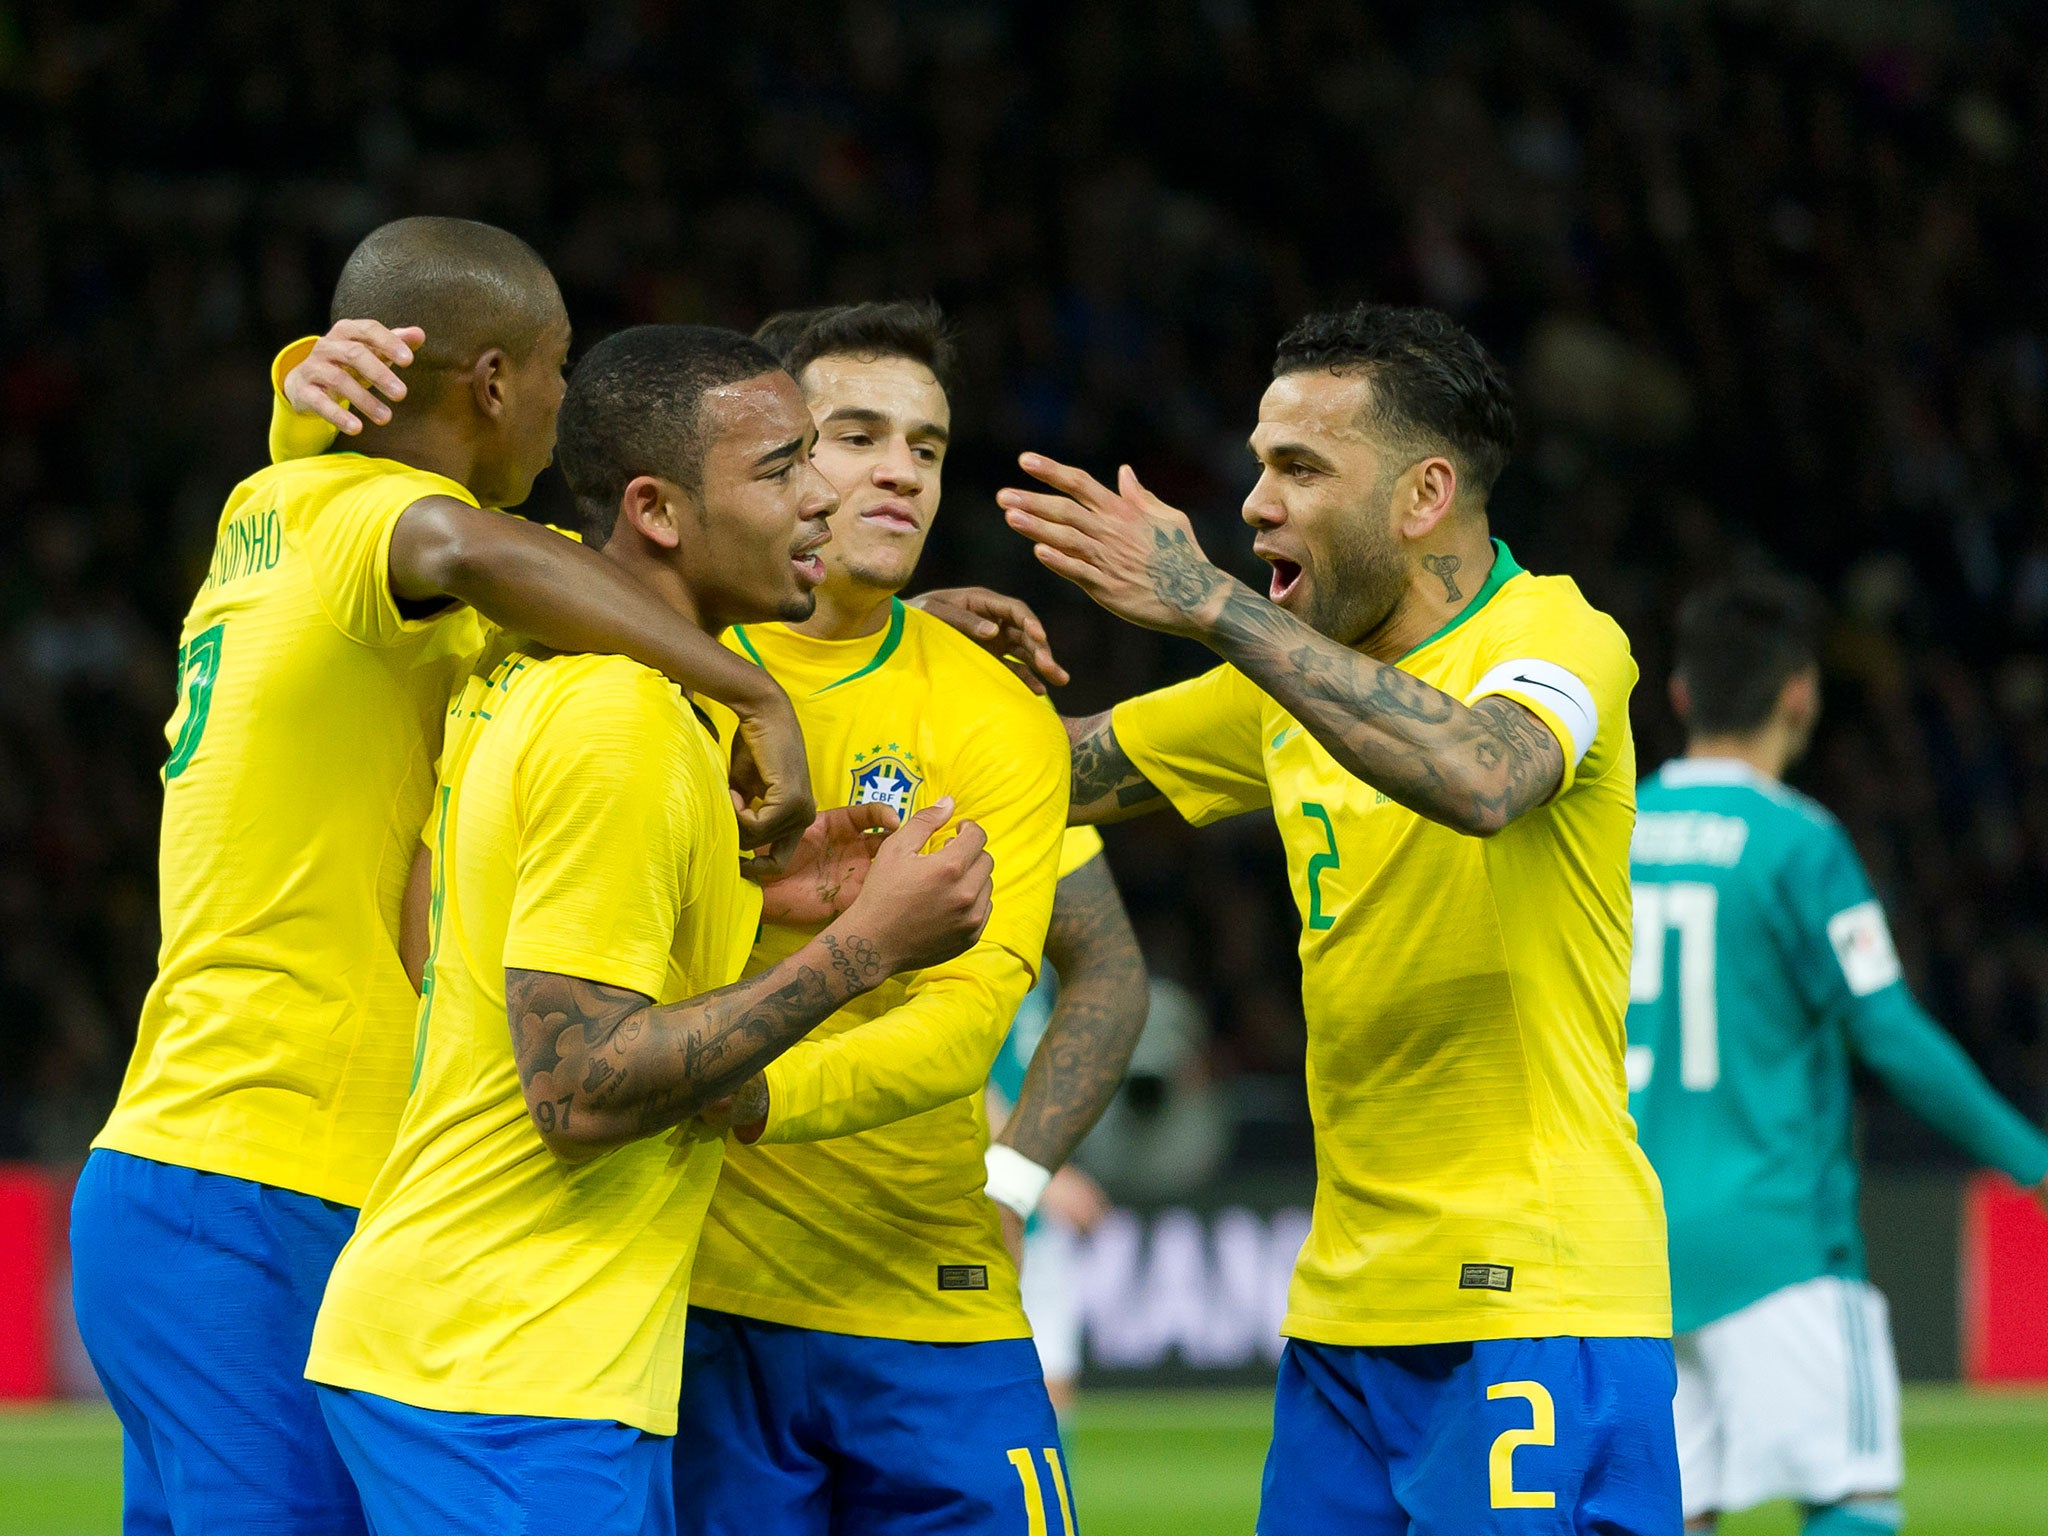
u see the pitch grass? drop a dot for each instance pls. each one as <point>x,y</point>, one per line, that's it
<point>1178,1464</point>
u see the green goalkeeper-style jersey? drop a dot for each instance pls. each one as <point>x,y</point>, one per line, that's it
<point>1762,964</point>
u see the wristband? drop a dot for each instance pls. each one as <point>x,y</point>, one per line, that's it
<point>1014,1180</point>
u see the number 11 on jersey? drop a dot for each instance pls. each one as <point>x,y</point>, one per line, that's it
<point>1693,908</point>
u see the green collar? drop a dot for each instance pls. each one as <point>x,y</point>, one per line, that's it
<point>1504,570</point>
<point>891,638</point>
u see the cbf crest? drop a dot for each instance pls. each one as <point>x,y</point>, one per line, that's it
<point>886,776</point>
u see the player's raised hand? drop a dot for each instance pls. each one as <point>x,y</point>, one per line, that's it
<point>1002,625</point>
<point>1125,548</point>
<point>771,780</point>
<point>916,908</point>
<point>828,869</point>
<point>349,367</point>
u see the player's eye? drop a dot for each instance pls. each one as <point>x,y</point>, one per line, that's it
<point>855,439</point>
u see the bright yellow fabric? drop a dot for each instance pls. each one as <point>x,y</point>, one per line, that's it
<point>275,1042</point>
<point>849,1234</point>
<point>293,435</point>
<point>582,827</point>
<point>1079,846</point>
<point>1464,1000</point>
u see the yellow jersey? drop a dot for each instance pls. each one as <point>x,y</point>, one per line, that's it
<point>1477,1171</point>
<point>883,1229</point>
<point>275,1041</point>
<point>582,827</point>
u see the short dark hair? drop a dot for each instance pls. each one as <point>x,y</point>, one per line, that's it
<point>1740,639</point>
<point>635,406</point>
<point>469,286</point>
<point>1435,389</point>
<point>912,328</point>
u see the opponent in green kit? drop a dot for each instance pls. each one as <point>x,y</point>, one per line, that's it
<point>1762,965</point>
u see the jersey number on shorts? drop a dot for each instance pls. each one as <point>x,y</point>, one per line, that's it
<point>1500,1461</point>
<point>1317,864</point>
<point>1692,908</point>
<point>198,666</point>
<point>1034,1495</point>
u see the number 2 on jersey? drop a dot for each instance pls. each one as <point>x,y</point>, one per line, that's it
<point>1693,909</point>
<point>198,666</point>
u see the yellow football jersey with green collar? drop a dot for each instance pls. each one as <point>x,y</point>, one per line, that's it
<point>860,1210</point>
<point>1477,1171</point>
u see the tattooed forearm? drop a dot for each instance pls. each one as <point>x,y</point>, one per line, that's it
<point>602,1066</point>
<point>1095,1024</point>
<point>1107,786</point>
<point>1472,768</point>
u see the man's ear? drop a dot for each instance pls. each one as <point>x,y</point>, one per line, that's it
<point>652,507</point>
<point>1799,699</point>
<point>1681,698</point>
<point>1424,496</point>
<point>487,382</point>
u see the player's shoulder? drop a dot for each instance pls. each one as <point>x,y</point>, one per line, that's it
<point>1777,815</point>
<point>311,484</point>
<point>1554,605</point>
<point>586,686</point>
<point>962,674</point>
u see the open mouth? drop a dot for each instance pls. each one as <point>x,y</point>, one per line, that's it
<point>805,559</point>
<point>1286,577</point>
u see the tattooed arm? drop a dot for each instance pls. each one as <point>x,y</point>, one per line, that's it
<point>1095,1024</point>
<point>1473,768</point>
<point>1107,786</point>
<point>602,1066</point>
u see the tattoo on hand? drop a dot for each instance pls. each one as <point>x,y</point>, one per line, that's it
<point>1445,569</point>
<point>1181,578</point>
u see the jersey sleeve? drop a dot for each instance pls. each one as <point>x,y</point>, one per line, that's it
<point>1853,970</point>
<point>1079,846</point>
<point>294,434</point>
<point>607,834</point>
<point>938,1043</point>
<point>1198,742</point>
<point>347,540</point>
<point>1570,666</point>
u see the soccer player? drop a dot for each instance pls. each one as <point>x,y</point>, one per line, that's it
<point>1061,1063</point>
<point>347,595</point>
<point>501,1341</point>
<point>857,1358</point>
<point>1762,965</point>
<point>1478,1328</point>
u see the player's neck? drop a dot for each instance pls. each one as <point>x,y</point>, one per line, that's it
<point>1445,580</point>
<point>1767,751</point>
<point>428,442</point>
<point>628,550</point>
<point>847,610</point>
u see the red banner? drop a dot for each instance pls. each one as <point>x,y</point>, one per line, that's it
<point>2004,1290</point>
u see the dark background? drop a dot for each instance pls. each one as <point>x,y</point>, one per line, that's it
<point>1766,277</point>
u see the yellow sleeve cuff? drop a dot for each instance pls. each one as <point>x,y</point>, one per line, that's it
<point>293,434</point>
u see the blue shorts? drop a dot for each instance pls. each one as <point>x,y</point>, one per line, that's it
<point>195,1295</point>
<point>428,1473</point>
<point>795,1432</point>
<point>1513,1435</point>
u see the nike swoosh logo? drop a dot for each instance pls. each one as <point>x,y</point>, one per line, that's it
<point>1282,737</point>
<point>1534,683</point>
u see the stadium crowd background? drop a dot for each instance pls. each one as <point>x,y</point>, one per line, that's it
<point>1762,288</point>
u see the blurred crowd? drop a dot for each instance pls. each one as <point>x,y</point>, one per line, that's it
<point>1763,290</point>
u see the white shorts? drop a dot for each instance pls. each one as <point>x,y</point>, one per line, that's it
<point>1050,1306</point>
<point>1794,1397</point>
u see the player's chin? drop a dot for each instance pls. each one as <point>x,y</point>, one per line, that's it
<point>797,605</point>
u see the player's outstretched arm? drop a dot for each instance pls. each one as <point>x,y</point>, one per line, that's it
<point>602,1066</point>
<point>1107,785</point>
<point>1473,768</point>
<point>534,582</point>
<point>1095,1024</point>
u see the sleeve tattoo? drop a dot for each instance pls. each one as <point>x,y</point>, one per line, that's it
<point>1107,786</point>
<point>1095,1024</point>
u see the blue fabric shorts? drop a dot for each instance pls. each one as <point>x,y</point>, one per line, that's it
<point>423,1472</point>
<point>1525,1436</point>
<point>796,1432</point>
<point>195,1295</point>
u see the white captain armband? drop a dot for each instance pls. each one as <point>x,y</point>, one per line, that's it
<point>1014,1180</point>
<point>1549,687</point>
